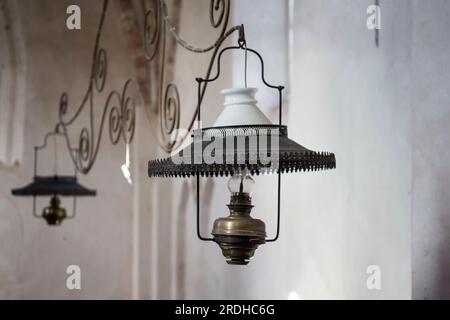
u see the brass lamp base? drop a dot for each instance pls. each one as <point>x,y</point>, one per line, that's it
<point>239,235</point>
<point>54,214</point>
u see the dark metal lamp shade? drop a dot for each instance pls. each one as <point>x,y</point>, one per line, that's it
<point>47,186</point>
<point>54,186</point>
<point>288,156</point>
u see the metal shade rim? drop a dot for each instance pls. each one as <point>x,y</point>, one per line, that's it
<point>50,185</point>
<point>291,157</point>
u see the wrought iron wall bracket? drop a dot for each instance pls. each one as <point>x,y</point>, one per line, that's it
<point>120,106</point>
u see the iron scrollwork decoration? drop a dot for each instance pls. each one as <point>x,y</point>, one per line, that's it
<point>119,110</point>
<point>120,107</point>
<point>157,26</point>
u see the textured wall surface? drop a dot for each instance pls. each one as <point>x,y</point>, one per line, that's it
<point>430,143</point>
<point>383,111</point>
<point>34,256</point>
<point>354,99</point>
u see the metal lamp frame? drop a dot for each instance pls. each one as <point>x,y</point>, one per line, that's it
<point>37,149</point>
<point>241,46</point>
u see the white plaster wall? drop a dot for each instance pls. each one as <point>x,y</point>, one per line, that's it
<point>383,111</point>
<point>430,144</point>
<point>34,256</point>
<point>353,99</point>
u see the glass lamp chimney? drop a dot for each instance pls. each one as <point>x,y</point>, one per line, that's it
<point>241,182</point>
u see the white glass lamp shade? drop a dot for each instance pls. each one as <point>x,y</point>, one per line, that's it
<point>240,109</point>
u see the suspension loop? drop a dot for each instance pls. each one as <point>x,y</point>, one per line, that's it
<point>39,148</point>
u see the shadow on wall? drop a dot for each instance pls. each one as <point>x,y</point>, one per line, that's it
<point>443,287</point>
<point>11,234</point>
<point>181,241</point>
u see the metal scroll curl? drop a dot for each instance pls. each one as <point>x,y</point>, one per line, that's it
<point>119,111</point>
<point>152,30</point>
<point>158,26</point>
<point>219,6</point>
<point>170,115</point>
<point>101,67</point>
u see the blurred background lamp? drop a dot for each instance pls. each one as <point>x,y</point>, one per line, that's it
<point>53,186</point>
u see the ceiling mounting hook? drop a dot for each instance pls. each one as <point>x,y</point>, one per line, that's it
<point>241,39</point>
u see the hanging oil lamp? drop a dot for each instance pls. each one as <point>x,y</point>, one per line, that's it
<point>242,143</point>
<point>54,187</point>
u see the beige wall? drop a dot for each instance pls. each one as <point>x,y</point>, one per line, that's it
<point>352,98</point>
<point>343,95</point>
<point>34,256</point>
<point>430,97</point>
